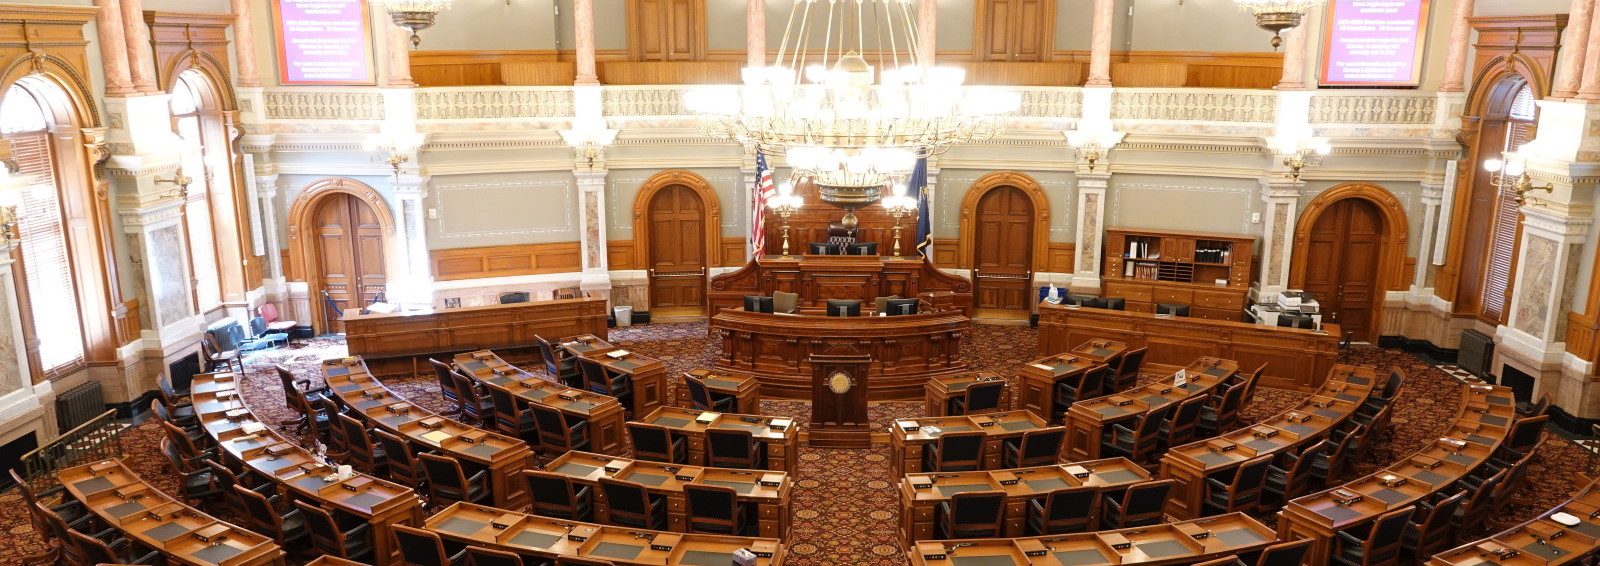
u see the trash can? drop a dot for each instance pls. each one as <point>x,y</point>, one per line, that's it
<point>624,315</point>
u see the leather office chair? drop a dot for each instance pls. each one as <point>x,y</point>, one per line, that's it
<point>360,452</point>
<point>1243,493</point>
<point>419,547</point>
<point>1391,388</point>
<point>597,379</point>
<point>1096,381</point>
<point>193,484</point>
<point>288,529</point>
<point>330,431</point>
<point>1429,531</point>
<point>1250,384</point>
<point>979,398</point>
<point>328,536</point>
<point>86,550</point>
<point>1128,367</point>
<point>1294,479</point>
<point>191,456</point>
<point>297,394</point>
<point>160,413</point>
<point>177,403</point>
<point>1285,553</point>
<point>1327,467</point>
<point>476,408</point>
<point>974,514</point>
<point>657,444</point>
<point>480,556</point>
<point>559,363</point>
<point>1065,510</point>
<point>72,514</point>
<point>1224,416</point>
<point>558,431</point>
<point>403,466</point>
<point>1179,428</point>
<point>223,481</point>
<point>734,448</point>
<point>1378,544</point>
<point>556,495</point>
<point>716,510</point>
<point>576,561</point>
<point>1526,410</point>
<point>701,399</point>
<point>1139,441</point>
<point>509,417</point>
<point>1138,505</point>
<point>629,505</point>
<point>954,452</point>
<point>1171,309</point>
<point>447,387</point>
<point>1523,437</point>
<point>447,483</point>
<point>1038,447</point>
<point>1068,390</point>
<point>1471,516</point>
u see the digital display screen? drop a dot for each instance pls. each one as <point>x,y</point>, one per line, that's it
<point>1374,42</point>
<point>323,42</point>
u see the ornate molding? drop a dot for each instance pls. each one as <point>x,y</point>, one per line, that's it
<point>297,104</point>
<point>495,103</point>
<point>1253,107</point>
<point>1367,108</point>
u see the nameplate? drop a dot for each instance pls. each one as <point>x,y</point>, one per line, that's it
<point>920,482</point>
<point>505,521</point>
<point>211,532</point>
<point>908,426</point>
<point>611,467</point>
<point>577,538</point>
<point>1079,472</point>
<point>770,480</point>
<point>779,424</point>
<point>707,418</point>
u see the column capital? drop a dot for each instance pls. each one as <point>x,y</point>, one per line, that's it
<point>1547,224</point>
<point>409,185</point>
<point>151,214</point>
<point>1274,189</point>
<point>1097,181</point>
<point>267,186</point>
<point>591,180</point>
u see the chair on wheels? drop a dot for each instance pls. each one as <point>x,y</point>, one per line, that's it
<point>558,433</point>
<point>447,387</point>
<point>1038,447</point>
<point>701,399</point>
<point>1142,439</point>
<point>1065,510</point>
<point>1243,493</point>
<point>447,483</point>
<point>1139,505</point>
<point>629,505</point>
<point>657,444</point>
<point>1378,545</point>
<point>328,536</point>
<point>419,547</point>
<point>1224,416</point>
<point>974,514</point>
<point>734,448</point>
<point>556,495</point>
<point>716,510</point>
<point>1430,533</point>
<point>1128,369</point>
<point>954,452</point>
<point>979,398</point>
<point>559,363</point>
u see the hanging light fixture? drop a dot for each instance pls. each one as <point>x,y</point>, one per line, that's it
<point>1278,15</point>
<point>850,120</point>
<point>414,15</point>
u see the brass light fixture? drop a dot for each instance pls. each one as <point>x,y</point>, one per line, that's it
<point>414,15</point>
<point>785,205</point>
<point>1512,174</point>
<point>1306,157</point>
<point>1278,15</point>
<point>899,206</point>
<point>179,181</point>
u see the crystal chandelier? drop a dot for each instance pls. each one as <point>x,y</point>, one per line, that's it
<point>1278,15</point>
<point>848,125</point>
<point>414,15</point>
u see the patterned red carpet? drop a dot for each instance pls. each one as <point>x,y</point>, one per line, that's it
<point>845,505</point>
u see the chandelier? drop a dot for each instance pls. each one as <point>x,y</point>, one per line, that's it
<point>1278,15</point>
<point>414,15</point>
<point>849,125</point>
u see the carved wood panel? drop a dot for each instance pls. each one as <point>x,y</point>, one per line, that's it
<point>666,30</point>
<point>1014,30</point>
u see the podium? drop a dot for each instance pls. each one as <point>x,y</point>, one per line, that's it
<point>839,401</point>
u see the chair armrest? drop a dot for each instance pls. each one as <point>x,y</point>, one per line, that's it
<point>359,530</point>
<point>1349,538</point>
<point>479,477</point>
<point>1215,483</point>
<point>458,558</point>
<point>1120,428</point>
<point>290,515</point>
<point>1036,505</point>
<point>580,426</point>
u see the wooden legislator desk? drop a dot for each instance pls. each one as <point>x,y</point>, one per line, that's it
<point>768,491</point>
<point>296,470</point>
<point>1088,420</point>
<point>906,445</point>
<point>546,538</point>
<point>1288,432</point>
<point>744,388</point>
<point>1482,423</point>
<point>150,518</point>
<point>1186,542</point>
<point>603,412</point>
<point>505,457</point>
<point>817,278</point>
<point>921,494</point>
<point>906,350</point>
<point>940,390</point>
<point>777,434</point>
<point>1562,535</point>
<point>397,340</point>
<point>1039,377</point>
<point>1297,359</point>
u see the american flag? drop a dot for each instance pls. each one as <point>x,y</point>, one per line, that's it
<point>758,217</point>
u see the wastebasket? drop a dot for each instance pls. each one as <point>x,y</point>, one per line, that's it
<point>624,315</point>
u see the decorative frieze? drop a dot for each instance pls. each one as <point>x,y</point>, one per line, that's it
<point>1369,108</point>
<point>494,103</point>
<point>1192,105</point>
<point>300,104</point>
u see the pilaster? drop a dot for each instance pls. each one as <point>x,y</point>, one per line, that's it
<point>414,286</point>
<point>1282,198</point>
<point>1533,340</point>
<point>1090,228</point>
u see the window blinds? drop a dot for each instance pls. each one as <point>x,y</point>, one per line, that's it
<point>52,293</point>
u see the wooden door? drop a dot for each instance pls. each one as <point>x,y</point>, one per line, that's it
<point>1342,265</point>
<point>348,254</point>
<point>1002,259</point>
<point>677,252</point>
<point>667,30</point>
<point>1016,30</point>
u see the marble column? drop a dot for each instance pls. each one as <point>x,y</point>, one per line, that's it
<point>591,180</point>
<point>1546,269</point>
<point>1432,198</point>
<point>583,20</point>
<point>1282,198</point>
<point>1100,44</point>
<point>1090,231</point>
<point>928,31</point>
<point>755,32</point>
<point>266,192</point>
<point>136,36</point>
<point>1455,59</point>
<point>113,49</point>
<point>416,281</point>
<point>244,44</point>
<point>399,48</point>
<point>1589,88</point>
<point>1294,59</point>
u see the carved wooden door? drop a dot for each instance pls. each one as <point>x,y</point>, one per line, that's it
<point>1015,30</point>
<point>667,30</point>
<point>677,252</point>
<point>1342,265</point>
<point>1002,263</point>
<point>349,253</point>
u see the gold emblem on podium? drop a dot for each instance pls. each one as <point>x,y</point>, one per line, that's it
<point>840,383</point>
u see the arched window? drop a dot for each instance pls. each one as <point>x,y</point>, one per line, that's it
<point>186,121</point>
<point>1521,122</point>
<point>44,256</point>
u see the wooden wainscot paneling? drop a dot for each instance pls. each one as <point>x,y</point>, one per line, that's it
<point>551,73</point>
<point>669,72</point>
<point>733,252</point>
<point>502,261</point>
<point>173,35</point>
<point>945,254</point>
<point>1061,257</point>
<point>473,68</point>
<point>621,254</point>
<point>1047,73</point>
<point>1583,336</point>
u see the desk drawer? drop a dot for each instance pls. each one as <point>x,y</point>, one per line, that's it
<point>1131,291</point>
<point>1173,296</point>
<point>1231,315</point>
<point>1219,299</point>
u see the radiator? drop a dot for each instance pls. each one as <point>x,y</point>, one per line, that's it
<point>182,371</point>
<point>79,405</point>
<point>1477,351</point>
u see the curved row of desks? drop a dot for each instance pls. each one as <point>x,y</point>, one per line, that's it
<point>1184,542</point>
<point>298,473</point>
<point>909,437</point>
<point>778,435</point>
<point>1483,420</point>
<point>1088,419</point>
<point>1562,535</point>
<point>505,457</point>
<point>769,492</point>
<point>603,412</point>
<point>532,535</point>
<point>1038,377</point>
<point>1288,432</point>
<point>149,517</point>
<point>921,494</point>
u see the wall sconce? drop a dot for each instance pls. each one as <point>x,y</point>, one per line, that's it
<point>396,158</point>
<point>589,152</point>
<point>1305,157</point>
<point>179,181</point>
<point>1094,147</point>
<point>1512,174</point>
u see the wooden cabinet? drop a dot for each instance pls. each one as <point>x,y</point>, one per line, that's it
<point>1209,272</point>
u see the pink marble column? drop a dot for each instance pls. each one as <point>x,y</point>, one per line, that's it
<point>1569,71</point>
<point>141,60</point>
<point>755,33</point>
<point>244,44</point>
<point>928,31</point>
<point>1294,59</point>
<point>583,19</point>
<point>1455,59</point>
<point>113,49</point>
<point>1100,44</point>
<point>1589,89</point>
<point>399,55</point>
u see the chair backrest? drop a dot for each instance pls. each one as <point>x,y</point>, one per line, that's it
<point>168,394</point>
<point>1539,408</point>
<point>1229,560</point>
<point>505,406</point>
<point>1397,379</point>
<point>1388,530</point>
<point>955,447</point>
<point>1250,384</point>
<point>444,474</point>
<point>712,504</point>
<point>1299,474</point>
<point>447,382</point>
<point>263,518</point>
<point>699,394</point>
<point>552,423</point>
<point>548,489</point>
<point>1251,475</point>
<point>355,435</point>
<point>651,442</point>
<point>1286,553</point>
<point>1044,442</point>
<point>1070,503</point>
<point>985,396</point>
<point>1150,422</point>
<point>325,534</point>
<point>1132,361</point>
<point>419,547</point>
<point>1437,523</point>
<point>480,556</point>
<point>1095,380</point>
<point>1185,416</point>
<point>268,311</point>
<point>552,364</point>
<point>92,550</point>
<point>1232,399</point>
<point>625,496</point>
<point>977,507</point>
<point>594,376</point>
<point>160,410</point>
<point>180,440</point>
<point>1525,433</point>
<point>1145,498</point>
<point>467,391</point>
<point>397,450</point>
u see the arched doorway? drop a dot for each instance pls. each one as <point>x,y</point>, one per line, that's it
<point>341,236</point>
<point>1004,223</point>
<point>677,225</point>
<point>1350,246</point>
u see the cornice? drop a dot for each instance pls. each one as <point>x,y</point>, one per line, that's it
<point>17,13</point>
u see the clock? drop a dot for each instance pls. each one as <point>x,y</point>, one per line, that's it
<point>840,383</point>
